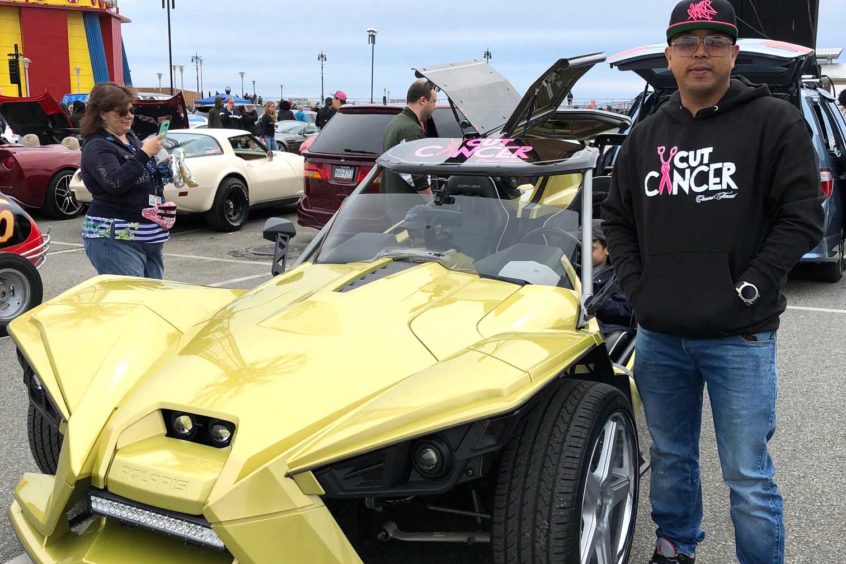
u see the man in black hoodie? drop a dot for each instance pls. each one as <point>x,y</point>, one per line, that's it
<point>713,200</point>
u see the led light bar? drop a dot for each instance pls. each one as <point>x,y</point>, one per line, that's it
<point>168,524</point>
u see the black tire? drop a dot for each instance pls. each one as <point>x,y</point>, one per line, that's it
<point>231,206</point>
<point>45,441</point>
<point>59,200</point>
<point>21,288</point>
<point>833,271</point>
<point>538,505</point>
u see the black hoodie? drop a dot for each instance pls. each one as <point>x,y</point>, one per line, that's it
<point>698,204</point>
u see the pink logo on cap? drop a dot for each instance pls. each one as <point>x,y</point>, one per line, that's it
<point>701,10</point>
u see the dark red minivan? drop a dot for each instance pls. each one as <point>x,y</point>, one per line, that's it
<point>345,151</point>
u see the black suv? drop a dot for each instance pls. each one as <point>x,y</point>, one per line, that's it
<point>789,71</point>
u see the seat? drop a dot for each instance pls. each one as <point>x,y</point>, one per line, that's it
<point>71,143</point>
<point>484,217</point>
<point>30,140</point>
<point>617,342</point>
<point>473,186</point>
<point>601,187</point>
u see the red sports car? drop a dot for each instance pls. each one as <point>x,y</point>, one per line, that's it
<point>39,176</point>
<point>23,248</point>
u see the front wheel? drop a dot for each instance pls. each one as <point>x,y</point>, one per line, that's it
<point>833,271</point>
<point>231,206</point>
<point>21,288</point>
<point>567,487</point>
<point>45,441</point>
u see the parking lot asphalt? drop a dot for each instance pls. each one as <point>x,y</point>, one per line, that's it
<point>809,447</point>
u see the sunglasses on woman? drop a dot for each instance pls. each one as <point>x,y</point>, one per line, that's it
<point>126,112</point>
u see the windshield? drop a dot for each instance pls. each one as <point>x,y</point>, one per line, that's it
<point>290,126</point>
<point>194,144</point>
<point>514,240</point>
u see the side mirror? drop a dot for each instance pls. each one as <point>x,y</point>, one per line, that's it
<point>279,231</point>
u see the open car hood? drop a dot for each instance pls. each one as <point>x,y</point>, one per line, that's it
<point>579,123</point>
<point>547,93</point>
<point>775,63</point>
<point>40,115</point>
<point>148,112</point>
<point>44,117</point>
<point>483,95</point>
<point>490,101</point>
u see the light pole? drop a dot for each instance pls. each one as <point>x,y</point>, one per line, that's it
<point>242,73</point>
<point>169,5</point>
<point>180,69</point>
<point>281,92</point>
<point>254,88</point>
<point>78,70</point>
<point>26,62</point>
<point>322,58</point>
<point>198,63</point>
<point>158,74</point>
<point>371,40</point>
<point>487,56</point>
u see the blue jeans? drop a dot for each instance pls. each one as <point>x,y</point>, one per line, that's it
<point>671,373</point>
<point>271,143</point>
<point>128,258</point>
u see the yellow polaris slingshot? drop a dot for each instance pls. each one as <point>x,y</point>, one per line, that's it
<point>428,371</point>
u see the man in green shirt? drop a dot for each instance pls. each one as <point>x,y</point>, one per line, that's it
<point>408,125</point>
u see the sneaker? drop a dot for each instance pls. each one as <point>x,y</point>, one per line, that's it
<point>677,559</point>
<point>664,547</point>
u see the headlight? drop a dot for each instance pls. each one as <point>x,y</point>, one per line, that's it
<point>220,432</point>
<point>431,458</point>
<point>183,425</point>
<point>187,527</point>
<point>428,465</point>
<point>198,428</point>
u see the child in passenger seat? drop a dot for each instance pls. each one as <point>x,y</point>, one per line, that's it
<point>615,313</point>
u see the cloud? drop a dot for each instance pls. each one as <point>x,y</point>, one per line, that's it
<point>277,44</point>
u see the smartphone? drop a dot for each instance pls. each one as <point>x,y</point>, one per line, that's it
<point>164,124</point>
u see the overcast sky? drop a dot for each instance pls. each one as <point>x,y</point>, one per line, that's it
<point>276,46</point>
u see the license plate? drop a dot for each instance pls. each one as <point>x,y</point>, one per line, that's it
<point>343,173</point>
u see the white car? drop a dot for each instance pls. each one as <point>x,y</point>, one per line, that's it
<point>234,173</point>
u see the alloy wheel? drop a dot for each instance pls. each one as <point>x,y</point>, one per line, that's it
<point>66,201</point>
<point>608,498</point>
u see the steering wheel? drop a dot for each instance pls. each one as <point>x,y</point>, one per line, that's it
<point>558,232</point>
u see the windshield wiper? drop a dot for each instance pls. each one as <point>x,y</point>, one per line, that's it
<point>359,152</point>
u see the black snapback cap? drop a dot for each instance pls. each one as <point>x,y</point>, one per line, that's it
<point>717,15</point>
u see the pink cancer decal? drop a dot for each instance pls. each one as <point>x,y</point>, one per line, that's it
<point>701,10</point>
<point>666,182</point>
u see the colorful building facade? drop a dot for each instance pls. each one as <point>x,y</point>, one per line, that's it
<point>71,45</point>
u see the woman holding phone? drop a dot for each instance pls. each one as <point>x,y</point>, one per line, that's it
<point>128,221</point>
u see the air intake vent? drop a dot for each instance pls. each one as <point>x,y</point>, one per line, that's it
<point>390,268</point>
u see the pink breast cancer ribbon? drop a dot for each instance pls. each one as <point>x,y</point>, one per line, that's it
<point>665,170</point>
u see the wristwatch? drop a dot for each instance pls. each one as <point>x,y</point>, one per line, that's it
<point>747,292</point>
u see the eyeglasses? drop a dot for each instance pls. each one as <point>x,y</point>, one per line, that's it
<point>126,112</point>
<point>716,46</point>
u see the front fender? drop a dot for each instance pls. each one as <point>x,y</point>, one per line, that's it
<point>490,379</point>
